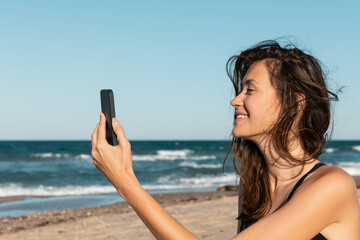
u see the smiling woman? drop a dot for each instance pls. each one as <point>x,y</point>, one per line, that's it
<point>284,109</point>
<point>282,113</point>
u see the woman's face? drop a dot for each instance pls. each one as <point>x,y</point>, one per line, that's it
<point>257,107</point>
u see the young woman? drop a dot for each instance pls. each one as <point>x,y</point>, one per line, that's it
<point>282,113</point>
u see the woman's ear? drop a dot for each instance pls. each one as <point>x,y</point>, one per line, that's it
<point>300,101</point>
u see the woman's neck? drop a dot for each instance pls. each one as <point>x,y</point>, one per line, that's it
<point>281,171</point>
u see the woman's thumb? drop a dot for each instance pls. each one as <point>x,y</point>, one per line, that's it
<point>118,129</point>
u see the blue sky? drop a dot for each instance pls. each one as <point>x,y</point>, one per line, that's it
<point>164,60</point>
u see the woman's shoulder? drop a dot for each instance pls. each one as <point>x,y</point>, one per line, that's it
<point>332,177</point>
<point>325,203</point>
<point>334,185</point>
<point>337,191</point>
<point>331,181</point>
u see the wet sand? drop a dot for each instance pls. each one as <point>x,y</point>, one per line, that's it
<point>10,199</point>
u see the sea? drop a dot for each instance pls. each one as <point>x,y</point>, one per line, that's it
<point>57,175</point>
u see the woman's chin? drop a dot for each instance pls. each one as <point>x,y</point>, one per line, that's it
<point>239,135</point>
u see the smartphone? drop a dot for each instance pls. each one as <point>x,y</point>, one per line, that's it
<point>108,108</point>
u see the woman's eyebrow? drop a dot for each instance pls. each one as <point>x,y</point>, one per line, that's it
<point>248,82</point>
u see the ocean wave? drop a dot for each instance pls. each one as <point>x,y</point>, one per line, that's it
<point>197,182</point>
<point>196,165</point>
<point>84,156</point>
<point>164,183</point>
<point>205,157</point>
<point>194,183</point>
<point>330,150</point>
<point>171,155</point>
<point>211,180</point>
<point>356,148</point>
<point>153,158</point>
<point>12,189</point>
<point>166,153</point>
<point>50,155</point>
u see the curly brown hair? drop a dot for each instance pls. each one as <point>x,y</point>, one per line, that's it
<point>293,73</point>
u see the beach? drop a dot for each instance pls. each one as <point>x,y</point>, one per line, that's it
<point>208,215</point>
<point>51,189</point>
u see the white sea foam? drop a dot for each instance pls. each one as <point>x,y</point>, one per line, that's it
<point>84,156</point>
<point>356,148</point>
<point>19,190</point>
<point>177,153</point>
<point>196,182</point>
<point>205,157</point>
<point>192,183</point>
<point>330,150</point>
<point>49,155</point>
<point>171,155</point>
<point>211,180</point>
<point>196,165</point>
<point>352,168</point>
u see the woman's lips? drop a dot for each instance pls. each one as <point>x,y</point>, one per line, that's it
<point>240,117</point>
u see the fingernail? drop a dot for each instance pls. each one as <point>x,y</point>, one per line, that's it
<point>115,120</point>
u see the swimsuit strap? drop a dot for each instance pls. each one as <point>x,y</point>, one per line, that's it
<point>303,177</point>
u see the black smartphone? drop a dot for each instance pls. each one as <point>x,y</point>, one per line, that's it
<point>108,108</point>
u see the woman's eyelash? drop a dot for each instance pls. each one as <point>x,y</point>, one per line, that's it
<point>246,90</point>
<point>249,90</point>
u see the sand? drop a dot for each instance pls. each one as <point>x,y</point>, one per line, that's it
<point>210,215</point>
<point>207,215</point>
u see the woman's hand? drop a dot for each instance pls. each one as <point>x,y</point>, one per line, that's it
<point>114,162</point>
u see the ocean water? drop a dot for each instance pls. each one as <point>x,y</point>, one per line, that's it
<point>64,171</point>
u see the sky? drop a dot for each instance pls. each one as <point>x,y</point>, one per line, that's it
<point>164,60</point>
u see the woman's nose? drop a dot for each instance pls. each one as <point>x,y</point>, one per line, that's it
<point>237,101</point>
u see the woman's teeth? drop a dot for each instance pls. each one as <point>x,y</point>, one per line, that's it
<point>241,116</point>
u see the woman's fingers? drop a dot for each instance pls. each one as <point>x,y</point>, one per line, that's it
<point>118,129</point>
<point>101,133</point>
<point>93,144</point>
<point>94,137</point>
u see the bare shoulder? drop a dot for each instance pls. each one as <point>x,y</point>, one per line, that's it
<point>331,194</point>
<point>332,178</point>
<point>336,186</point>
<point>325,203</point>
<point>339,190</point>
<point>331,181</point>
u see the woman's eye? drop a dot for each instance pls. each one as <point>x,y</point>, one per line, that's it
<point>249,90</point>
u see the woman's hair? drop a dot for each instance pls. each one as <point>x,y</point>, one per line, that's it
<point>300,85</point>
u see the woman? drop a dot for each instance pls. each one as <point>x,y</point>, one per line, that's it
<point>282,113</point>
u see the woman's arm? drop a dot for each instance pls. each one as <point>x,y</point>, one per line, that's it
<point>115,163</point>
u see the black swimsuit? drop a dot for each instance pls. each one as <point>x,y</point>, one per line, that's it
<point>317,237</point>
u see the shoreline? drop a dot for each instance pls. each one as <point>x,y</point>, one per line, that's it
<point>202,203</point>
<point>30,221</point>
<point>208,215</point>
<point>11,199</point>
<point>19,198</point>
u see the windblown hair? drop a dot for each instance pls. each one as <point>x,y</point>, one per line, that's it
<point>297,77</point>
